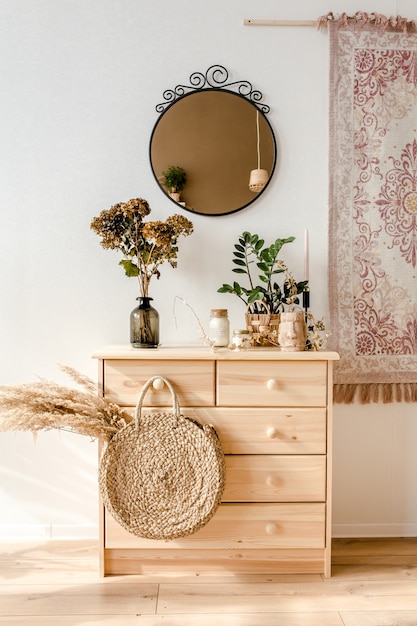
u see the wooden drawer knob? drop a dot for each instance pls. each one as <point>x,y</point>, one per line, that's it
<point>272,433</point>
<point>158,384</point>
<point>272,481</point>
<point>271,528</point>
<point>272,384</point>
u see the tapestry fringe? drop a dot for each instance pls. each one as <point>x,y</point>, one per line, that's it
<point>366,393</point>
<point>361,18</point>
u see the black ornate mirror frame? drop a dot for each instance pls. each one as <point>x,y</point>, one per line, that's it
<point>215,80</point>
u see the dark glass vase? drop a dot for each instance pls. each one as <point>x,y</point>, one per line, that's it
<point>144,325</point>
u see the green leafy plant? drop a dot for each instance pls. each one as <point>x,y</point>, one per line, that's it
<point>144,245</point>
<point>249,253</point>
<point>174,178</point>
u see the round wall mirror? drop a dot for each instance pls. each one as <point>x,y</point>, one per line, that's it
<point>210,142</point>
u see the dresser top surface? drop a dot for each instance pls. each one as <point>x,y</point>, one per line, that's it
<point>200,352</point>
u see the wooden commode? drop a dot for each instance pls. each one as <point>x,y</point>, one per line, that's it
<point>273,413</point>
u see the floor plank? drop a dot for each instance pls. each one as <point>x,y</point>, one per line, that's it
<point>56,583</point>
<point>364,548</point>
<point>380,618</point>
<point>239,619</point>
<point>374,572</point>
<point>93,598</point>
<point>54,549</point>
<point>288,597</point>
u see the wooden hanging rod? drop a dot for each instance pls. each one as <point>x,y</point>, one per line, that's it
<point>251,22</point>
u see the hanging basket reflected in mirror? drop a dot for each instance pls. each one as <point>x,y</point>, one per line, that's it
<point>258,179</point>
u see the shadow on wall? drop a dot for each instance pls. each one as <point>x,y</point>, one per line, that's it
<point>53,478</point>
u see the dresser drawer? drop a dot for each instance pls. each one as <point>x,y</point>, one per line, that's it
<point>193,382</point>
<point>266,431</point>
<point>269,383</point>
<point>240,526</point>
<point>275,478</point>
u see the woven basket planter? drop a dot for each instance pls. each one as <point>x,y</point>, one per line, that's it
<point>262,327</point>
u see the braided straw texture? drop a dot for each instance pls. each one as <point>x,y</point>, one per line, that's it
<point>162,476</point>
<point>262,327</point>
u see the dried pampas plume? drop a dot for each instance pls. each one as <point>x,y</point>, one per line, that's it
<point>44,405</point>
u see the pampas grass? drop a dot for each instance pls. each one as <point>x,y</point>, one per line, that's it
<point>44,405</point>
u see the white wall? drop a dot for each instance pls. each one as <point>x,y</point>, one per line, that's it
<point>79,81</point>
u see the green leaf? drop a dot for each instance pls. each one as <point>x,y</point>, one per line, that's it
<point>280,242</point>
<point>239,255</point>
<point>239,270</point>
<point>256,295</point>
<point>225,289</point>
<point>239,262</point>
<point>266,255</point>
<point>237,288</point>
<point>263,266</point>
<point>130,268</point>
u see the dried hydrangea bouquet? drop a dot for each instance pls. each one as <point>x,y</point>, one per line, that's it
<point>145,247</point>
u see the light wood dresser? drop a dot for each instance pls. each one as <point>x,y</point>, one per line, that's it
<point>273,413</point>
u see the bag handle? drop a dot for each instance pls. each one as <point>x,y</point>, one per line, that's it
<point>175,404</point>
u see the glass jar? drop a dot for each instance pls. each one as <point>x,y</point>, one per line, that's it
<point>219,329</point>
<point>240,339</point>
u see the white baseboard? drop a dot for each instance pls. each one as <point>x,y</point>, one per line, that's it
<point>45,532</point>
<point>374,530</point>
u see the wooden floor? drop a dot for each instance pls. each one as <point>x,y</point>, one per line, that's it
<point>374,583</point>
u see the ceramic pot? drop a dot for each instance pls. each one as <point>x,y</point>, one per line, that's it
<point>292,331</point>
<point>175,195</point>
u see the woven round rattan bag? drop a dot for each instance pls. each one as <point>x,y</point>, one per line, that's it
<point>162,475</point>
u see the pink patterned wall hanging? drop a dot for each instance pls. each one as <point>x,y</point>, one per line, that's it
<point>373,207</point>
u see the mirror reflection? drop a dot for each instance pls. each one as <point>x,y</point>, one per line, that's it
<point>210,141</point>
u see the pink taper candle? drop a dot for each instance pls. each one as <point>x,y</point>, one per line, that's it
<point>306,255</point>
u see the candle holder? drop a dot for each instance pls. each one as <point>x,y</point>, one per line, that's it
<point>306,302</point>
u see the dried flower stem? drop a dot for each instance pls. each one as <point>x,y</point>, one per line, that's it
<point>206,339</point>
<point>45,405</point>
